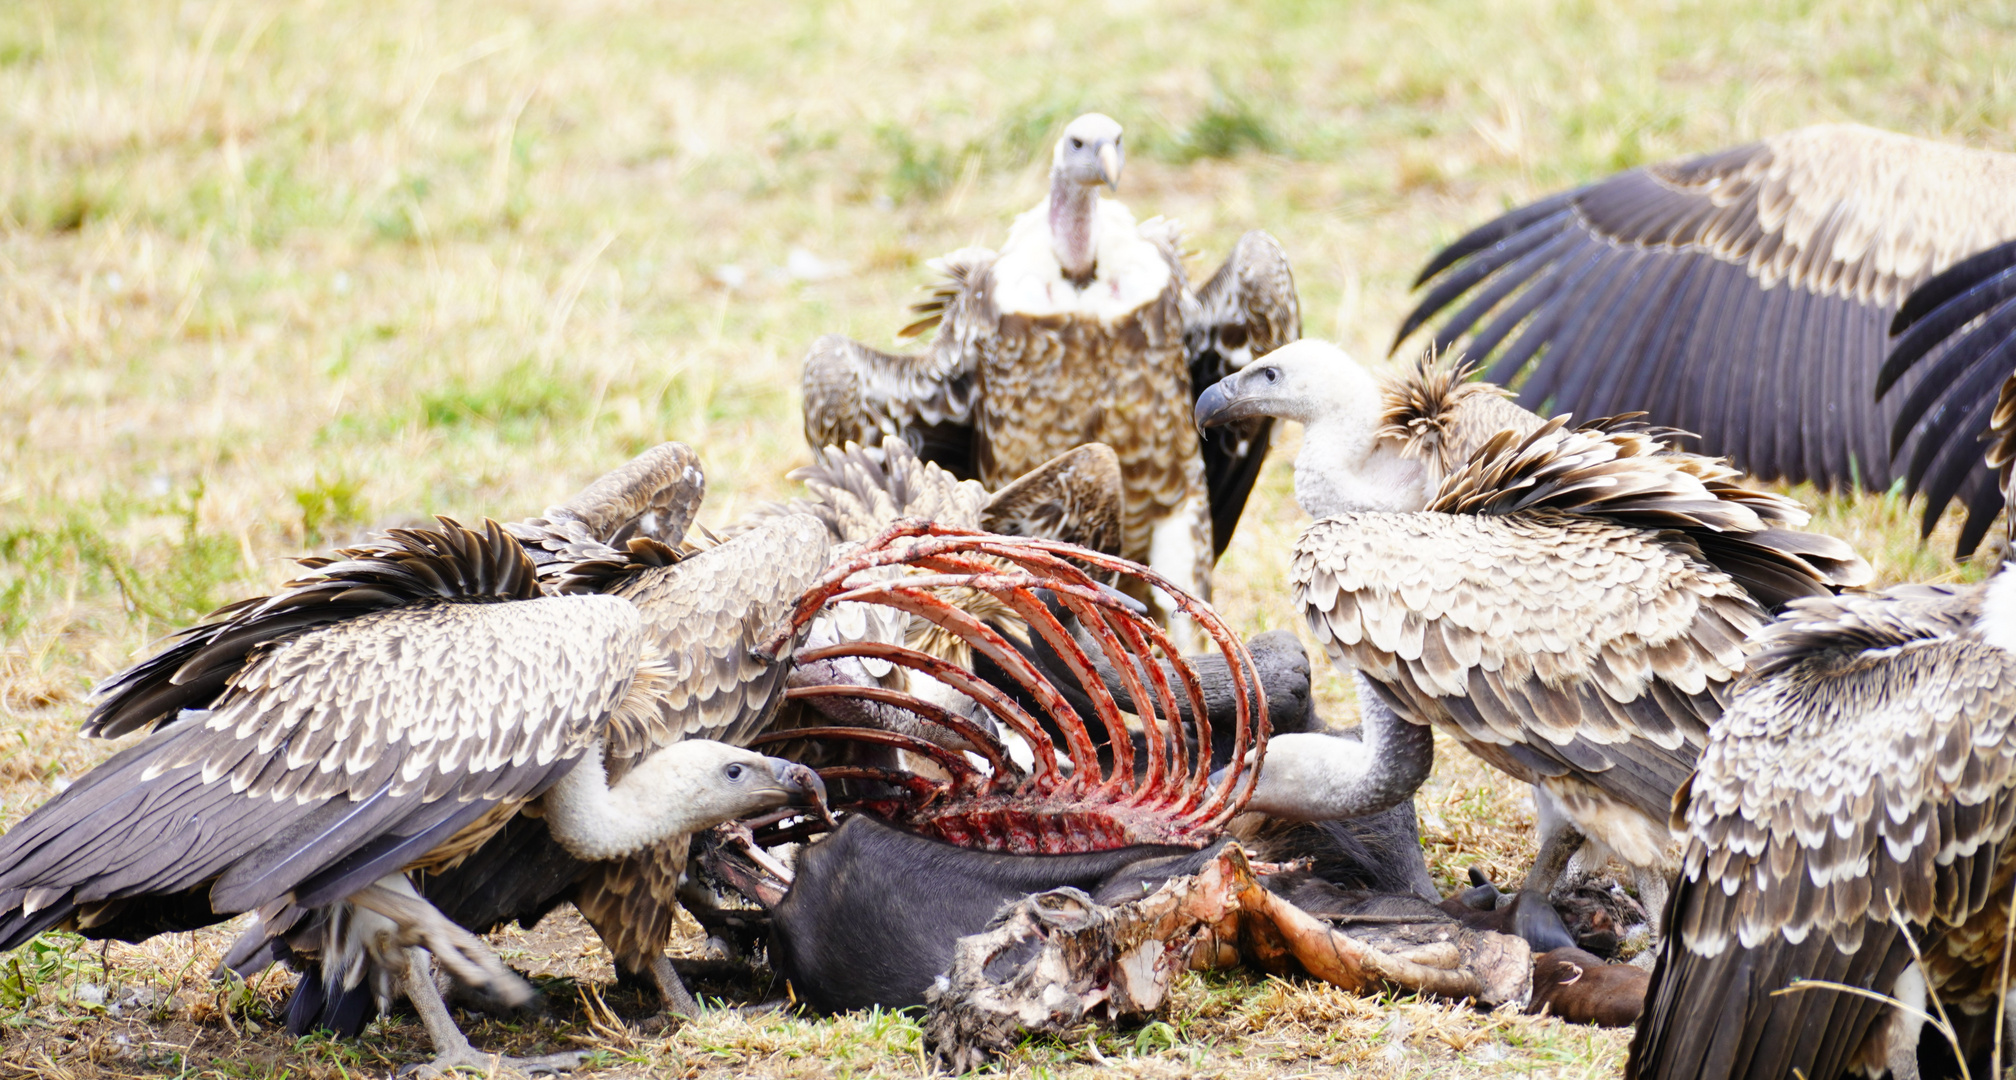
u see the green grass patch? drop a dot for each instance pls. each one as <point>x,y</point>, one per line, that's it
<point>515,400</point>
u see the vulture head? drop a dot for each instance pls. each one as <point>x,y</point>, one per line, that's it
<point>1348,462</point>
<point>687,787</point>
<point>1090,153</point>
<point>1087,156</point>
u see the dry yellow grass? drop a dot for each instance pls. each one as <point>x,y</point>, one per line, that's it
<point>274,273</point>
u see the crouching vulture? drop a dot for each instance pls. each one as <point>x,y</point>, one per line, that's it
<point>1744,295</point>
<point>386,715</point>
<point>1851,824</point>
<point>1570,604</point>
<point>1082,328</point>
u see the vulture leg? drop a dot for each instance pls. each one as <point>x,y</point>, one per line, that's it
<point>1652,891</point>
<point>452,1049</point>
<point>1536,920</point>
<point>671,989</point>
<point>466,957</point>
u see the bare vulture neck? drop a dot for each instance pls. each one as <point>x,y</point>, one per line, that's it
<point>1345,465</point>
<point>665,795</point>
<point>1074,220</point>
<point>1318,777</point>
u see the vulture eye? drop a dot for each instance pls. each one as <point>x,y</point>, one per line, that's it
<point>1077,144</point>
<point>1271,374</point>
<point>735,771</point>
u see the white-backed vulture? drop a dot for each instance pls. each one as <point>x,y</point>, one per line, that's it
<point>1956,337</point>
<point>1859,788</point>
<point>630,521</point>
<point>1743,295</point>
<point>434,693</point>
<point>1082,328</point>
<point>1569,604</point>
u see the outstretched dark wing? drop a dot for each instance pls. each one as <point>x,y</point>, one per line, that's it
<point>1864,775</point>
<point>1956,339</point>
<point>1247,309</point>
<point>1743,295</point>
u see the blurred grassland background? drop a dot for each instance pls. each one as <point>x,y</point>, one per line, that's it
<point>272,274</point>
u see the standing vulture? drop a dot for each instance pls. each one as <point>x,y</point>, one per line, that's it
<point>1963,320</point>
<point>387,715</point>
<point>1744,295</point>
<point>1082,328</point>
<point>1568,604</point>
<point>1850,823</point>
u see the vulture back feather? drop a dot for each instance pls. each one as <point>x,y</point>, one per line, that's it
<point>1067,800</point>
<point>1616,471</point>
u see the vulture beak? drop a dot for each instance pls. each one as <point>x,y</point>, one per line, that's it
<point>1109,166</point>
<point>800,783</point>
<point>1224,401</point>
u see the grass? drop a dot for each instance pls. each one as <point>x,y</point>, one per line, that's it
<point>275,273</point>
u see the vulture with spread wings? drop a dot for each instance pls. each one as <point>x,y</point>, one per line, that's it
<point>1082,328</point>
<point>389,713</point>
<point>1744,295</point>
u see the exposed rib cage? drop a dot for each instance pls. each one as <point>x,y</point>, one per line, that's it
<point>1068,801</point>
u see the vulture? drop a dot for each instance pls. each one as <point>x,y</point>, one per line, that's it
<point>386,715</point>
<point>1850,824</point>
<point>1570,604</point>
<point>1743,295</point>
<point>856,493</point>
<point>1082,328</point>
<point>1961,327</point>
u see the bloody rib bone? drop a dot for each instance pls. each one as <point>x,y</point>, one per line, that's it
<point>1051,809</point>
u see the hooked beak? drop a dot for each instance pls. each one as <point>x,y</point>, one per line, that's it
<point>1109,166</point>
<point>1222,403</point>
<point>804,786</point>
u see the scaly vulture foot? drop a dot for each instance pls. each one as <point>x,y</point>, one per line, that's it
<point>453,1054</point>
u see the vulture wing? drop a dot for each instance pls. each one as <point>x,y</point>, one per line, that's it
<point>1864,774</point>
<point>1628,475</point>
<point>1074,497</point>
<point>1247,309</point>
<point>858,491</point>
<point>334,757</point>
<point>1742,295</point>
<point>702,618</point>
<point>654,496</point>
<point>1956,338</point>
<point>1551,646</point>
<point>405,566</point>
<point>857,394</point>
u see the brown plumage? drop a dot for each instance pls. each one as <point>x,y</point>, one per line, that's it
<point>395,710</point>
<point>1029,361</point>
<point>1569,603</point>
<point>1863,777</point>
<point>1742,295</point>
<point>387,714</point>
